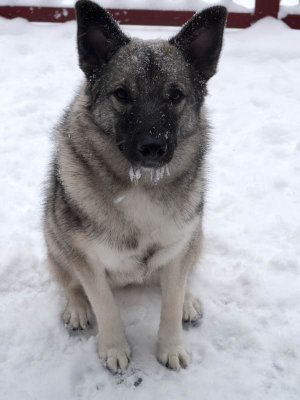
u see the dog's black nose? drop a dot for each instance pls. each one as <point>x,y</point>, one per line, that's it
<point>152,149</point>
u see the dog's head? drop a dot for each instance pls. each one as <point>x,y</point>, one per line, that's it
<point>147,94</point>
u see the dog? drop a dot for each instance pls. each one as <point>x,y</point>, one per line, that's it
<point>125,195</point>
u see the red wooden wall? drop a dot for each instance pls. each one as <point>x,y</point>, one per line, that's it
<point>262,9</point>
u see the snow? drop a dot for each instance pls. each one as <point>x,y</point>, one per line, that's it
<point>289,9</point>
<point>248,345</point>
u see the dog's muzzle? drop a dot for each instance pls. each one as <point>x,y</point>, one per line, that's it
<point>152,151</point>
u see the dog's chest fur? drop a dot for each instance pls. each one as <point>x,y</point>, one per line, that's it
<point>162,235</point>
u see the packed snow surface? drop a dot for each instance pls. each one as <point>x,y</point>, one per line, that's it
<point>248,279</point>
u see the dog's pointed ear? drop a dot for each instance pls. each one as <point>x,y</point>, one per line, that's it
<point>98,37</point>
<point>200,40</point>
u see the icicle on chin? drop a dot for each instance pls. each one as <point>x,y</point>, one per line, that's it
<point>154,174</point>
<point>135,175</point>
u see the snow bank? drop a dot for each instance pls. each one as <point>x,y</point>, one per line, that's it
<point>248,345</point>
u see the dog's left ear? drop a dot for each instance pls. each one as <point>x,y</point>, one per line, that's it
<point>98,37</point>
<point>200,40</point>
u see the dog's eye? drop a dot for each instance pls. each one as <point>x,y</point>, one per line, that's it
<point>175,95</point>
<point>122,95</point>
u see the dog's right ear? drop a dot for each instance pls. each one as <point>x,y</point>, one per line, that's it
<point>98,37</point>
<point>200,40</point>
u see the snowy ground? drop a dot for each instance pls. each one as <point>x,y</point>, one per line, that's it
<point>248,346</point>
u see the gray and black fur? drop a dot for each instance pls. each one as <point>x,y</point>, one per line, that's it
<point>126,190</point>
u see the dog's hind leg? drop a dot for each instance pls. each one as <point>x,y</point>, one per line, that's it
<point>192,310</point>
<point>78,313</point>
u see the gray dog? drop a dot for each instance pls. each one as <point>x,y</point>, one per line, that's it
<point>125,196</point>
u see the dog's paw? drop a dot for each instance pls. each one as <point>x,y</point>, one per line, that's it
<point>173,356</point>
<point>192,311</point>
<point>78,314</point>
<point>115,356</point>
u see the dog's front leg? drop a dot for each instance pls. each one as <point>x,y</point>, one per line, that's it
<point>171,350</point>
<point>113,347</point>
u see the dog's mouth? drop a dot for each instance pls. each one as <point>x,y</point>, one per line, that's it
<point>150,165</point>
